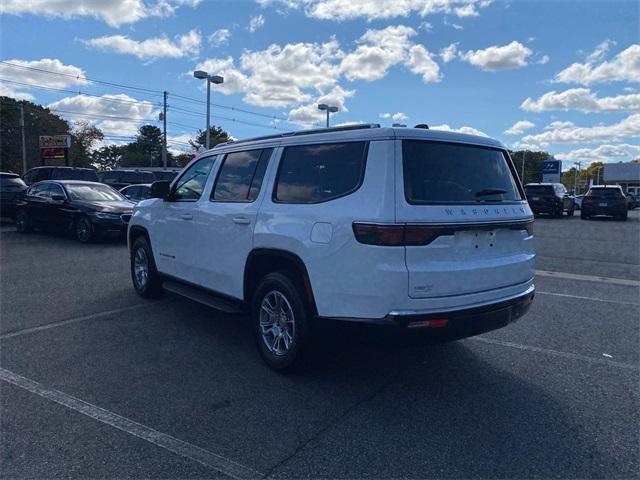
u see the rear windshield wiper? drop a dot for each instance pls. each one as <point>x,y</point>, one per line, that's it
<point>490,191</point>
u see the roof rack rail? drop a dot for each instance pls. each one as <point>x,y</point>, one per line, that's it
<point>297,133</point>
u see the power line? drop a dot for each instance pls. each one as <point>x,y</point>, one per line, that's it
<point>155,92</point>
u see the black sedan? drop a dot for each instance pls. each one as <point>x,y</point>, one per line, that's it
<point>87,210</point>
<point>11,188</point>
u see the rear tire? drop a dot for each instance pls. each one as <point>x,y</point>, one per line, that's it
<point>281,321</point>
<point>624,216</point>
<point>84,230</point>
<point>23,224</point>
<point>144,275</point>
<point>571,212</point>
<point>583,215</point>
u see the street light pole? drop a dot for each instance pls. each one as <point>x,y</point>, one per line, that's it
<point>328,109</point>
<point>575,179</point>
<point>598,173</point>
<point>24,144</point>
<point>524,157</point>
<point>217,79</point>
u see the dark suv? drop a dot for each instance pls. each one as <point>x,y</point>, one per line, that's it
<point>119,179</point>
<point>550,198</point>
<point>11,187</point>
<point>605,200</point>
<point>38,174</point>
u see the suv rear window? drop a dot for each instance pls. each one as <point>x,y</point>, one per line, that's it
<point>445,173</point>
<point>74,174</point>
<point>318,173</point>
<point>538,190</point>
<point>604,192</point>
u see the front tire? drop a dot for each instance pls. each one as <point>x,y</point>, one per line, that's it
<point>571,212</point>
<point>281,320</point>
<point>84,230</point>
<point>23,224</point>
<point>145,277</point>
<point>583,215</point>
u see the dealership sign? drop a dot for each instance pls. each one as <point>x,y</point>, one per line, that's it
<point>51,141</point>
<point>55,148</point>
<point>551,170</point>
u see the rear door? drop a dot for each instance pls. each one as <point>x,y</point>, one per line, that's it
<point>466,218</point>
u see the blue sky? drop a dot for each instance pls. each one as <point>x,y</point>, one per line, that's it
<point>562,76</point>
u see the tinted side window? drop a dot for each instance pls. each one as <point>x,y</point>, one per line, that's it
<point>191,184</point>
<point>42,174</point>
<point>111,177</point>
<point>318,173</point>
<point>89,175</point>
<point>55,189</point>
<point>148,177</point>
<point>39,191</point>
<point>131,177</point>
<point>131,192</point>
<point>241,176</point>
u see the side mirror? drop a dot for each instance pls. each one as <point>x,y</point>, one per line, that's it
<point>56,197</point>
<point>160,189</point>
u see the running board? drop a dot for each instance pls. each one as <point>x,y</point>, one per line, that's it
<point>201,296</point>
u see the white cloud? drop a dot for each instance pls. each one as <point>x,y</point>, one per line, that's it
<point>467,130</point>
<point>449,53</point>
<point>563,132</point>
<point>425,26</point>
<point>603,153</point>
<point>457,26</point>
<point>151,48</point>
<point>624,67</point>
<point>421,63</point>
<point>309,115</point>
<point>582,99</point>
<point>220,37</point>
<point>491,59</point>
<point>519,127</point>
<point>379,50</point>
<point>256,22</point>
<point>398,116</point>
<point>558,124</point>
<point>127,112</point>
<point>600,51</point>
<point>234,80</point>
<point>379,9</point>
<point>543,60</point>
<point>9,91</point>
<point>113,12</point>
<point>69,74</point>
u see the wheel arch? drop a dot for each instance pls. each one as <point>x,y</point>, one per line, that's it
<point>262,261</point>
<point>136,231</point>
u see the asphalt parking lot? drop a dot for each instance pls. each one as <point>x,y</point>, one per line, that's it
<point>97,382</point>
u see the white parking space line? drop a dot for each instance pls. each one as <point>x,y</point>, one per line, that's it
<point>588,278</point>
<point>579,297</point>
<point>557,353</point>
<point>208,459</point>
<point>92,316</point>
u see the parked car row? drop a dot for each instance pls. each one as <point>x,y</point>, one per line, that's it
<point>601,200</point>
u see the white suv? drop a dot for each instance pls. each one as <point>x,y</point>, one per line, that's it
<point>408,227</point>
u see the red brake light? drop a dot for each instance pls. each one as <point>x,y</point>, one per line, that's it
<point>383,235</point>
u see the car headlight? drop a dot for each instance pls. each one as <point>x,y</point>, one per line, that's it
<point>107,216</point>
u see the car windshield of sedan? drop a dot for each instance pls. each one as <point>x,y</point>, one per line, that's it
<point>93,193</point>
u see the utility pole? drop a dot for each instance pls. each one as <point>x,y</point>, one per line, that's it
<point>524,156</point>
<point>24,144</point>
<point>575,179</point>
<point>164,130</point>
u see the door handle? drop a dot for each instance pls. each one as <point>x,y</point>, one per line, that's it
<point>241,220</point>
<point>186,216</point>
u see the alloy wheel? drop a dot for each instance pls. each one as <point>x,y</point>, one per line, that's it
<point>141,268</point>
<point>277,323</point>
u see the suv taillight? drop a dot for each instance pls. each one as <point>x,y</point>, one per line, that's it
<point>400,235</point>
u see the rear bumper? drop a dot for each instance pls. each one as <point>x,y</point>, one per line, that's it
<point>465,322</point>
<point>606,211</point>
<point>545,207</point>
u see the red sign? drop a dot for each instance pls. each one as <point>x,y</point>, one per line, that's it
<point>53,153</point>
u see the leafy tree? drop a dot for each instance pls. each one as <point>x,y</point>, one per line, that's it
<point>146,150</point>
<point>182,159</point>
<point>532,164</point>
<point>108,157</point>
<point>216,136</point>
<point>38,121</point>
<point>84,135</point>
<point>582,178</point>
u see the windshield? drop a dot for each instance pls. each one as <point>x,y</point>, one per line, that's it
<point>165,175</point>
<point>436,172</point>
<point>94,193</point>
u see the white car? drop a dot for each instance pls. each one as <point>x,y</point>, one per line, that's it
<point>406,227</point>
